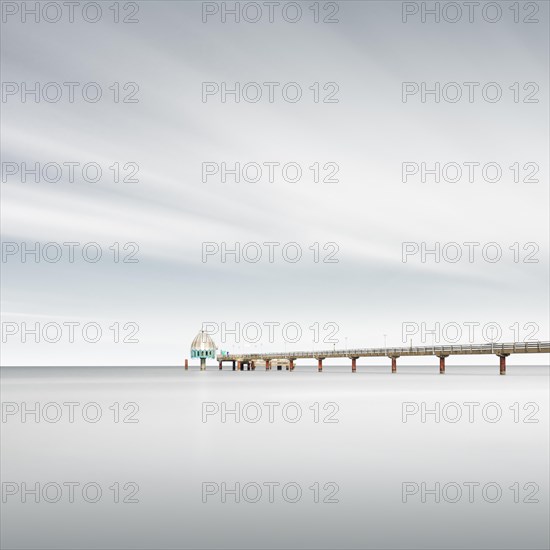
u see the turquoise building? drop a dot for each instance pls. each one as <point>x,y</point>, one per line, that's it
<point>203,347</point>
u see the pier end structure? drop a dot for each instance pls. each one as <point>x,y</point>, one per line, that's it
<point>203,348</point>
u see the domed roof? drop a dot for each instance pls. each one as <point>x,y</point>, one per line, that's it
<point>204,342</point>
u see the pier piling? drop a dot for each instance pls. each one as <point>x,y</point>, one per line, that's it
<point>503,363</point>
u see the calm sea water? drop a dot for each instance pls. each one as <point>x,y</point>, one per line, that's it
<point>153,457</point>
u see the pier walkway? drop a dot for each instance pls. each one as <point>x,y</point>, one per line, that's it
<point>502,351</point>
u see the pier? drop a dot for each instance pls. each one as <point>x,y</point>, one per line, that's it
<point>502,351</point>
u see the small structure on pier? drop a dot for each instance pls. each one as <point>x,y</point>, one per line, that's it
<point>203,347</point>
<point>279,364</point>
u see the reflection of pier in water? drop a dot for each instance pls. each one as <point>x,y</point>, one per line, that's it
<point>288,359</point>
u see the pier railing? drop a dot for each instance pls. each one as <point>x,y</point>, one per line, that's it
<point>445,350</point>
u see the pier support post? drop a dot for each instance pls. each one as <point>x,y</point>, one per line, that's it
<point>267,365</point>
<point>442,363</point>
<point>233,365</point>
<point>186,364</point>
<point>291,364</point>
<point>503,363</point>
<point>252,365</point>
<point>239,366</point>
<point>220,365</point>
<point>320,365</point>
<point>203,363</point>
<point>354,364</point>
<point>394,364</point>
<point>247,366</point>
